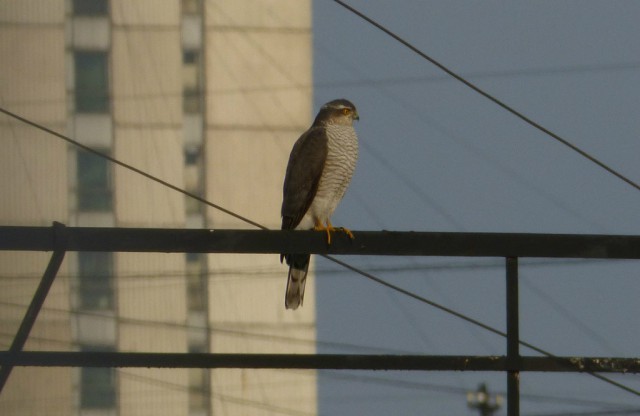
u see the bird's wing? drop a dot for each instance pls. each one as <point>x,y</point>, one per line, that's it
<point>306,164</point>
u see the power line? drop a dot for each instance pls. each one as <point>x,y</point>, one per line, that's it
<point>468,319</point>
<point>130,167</point>
<point>404,80</point>
<point>506,73</point>
<point>218,330</point>
<point>470,146</point>
<point>489,96</point>
<point>416,385</point>
<point>399,383</point>
<point>413,186</point>
<point>405,384</point>
<point>222,397</point>
<point>262,272</point>
<point>453,390</point>
<point>562,310</point>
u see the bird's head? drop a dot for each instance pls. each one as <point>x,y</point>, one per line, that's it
<point>339,111</point>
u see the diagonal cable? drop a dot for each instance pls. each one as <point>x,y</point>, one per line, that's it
<point>489,96</point>
<point>468,319</point>
<point>131,168</point>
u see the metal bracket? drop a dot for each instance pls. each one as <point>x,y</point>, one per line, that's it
<point>38,299</point>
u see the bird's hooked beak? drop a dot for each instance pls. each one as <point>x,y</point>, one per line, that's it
<point>356,116</point>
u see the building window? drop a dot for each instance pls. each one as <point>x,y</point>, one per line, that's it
<point>97,385</point>
<point>91,7</point>
<point>91,82</point>
<point>196,282</point>
<point>193,174</point>
<point>95,280</point>
<point>192,82</point>
<point>198,387</point>
<point>190,6</point>
<point>94,182</point>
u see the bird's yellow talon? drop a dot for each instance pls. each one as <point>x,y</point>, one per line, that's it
<point>329,228</point>
<point>348,233</point>
<point>321,227</point>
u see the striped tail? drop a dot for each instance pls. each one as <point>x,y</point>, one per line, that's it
<point>298,268</point>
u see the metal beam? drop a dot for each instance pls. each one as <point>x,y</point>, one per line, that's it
<point>318,361</point>
<point>37,301</point>
<point>513,338</point>
<point>365,243</point>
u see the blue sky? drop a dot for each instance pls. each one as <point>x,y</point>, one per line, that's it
<point>436,156</point>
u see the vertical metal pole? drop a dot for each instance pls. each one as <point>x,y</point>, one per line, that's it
<point>36,304</point>
<point>513,339</point>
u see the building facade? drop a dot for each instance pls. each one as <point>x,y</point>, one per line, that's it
<point>207,95</point>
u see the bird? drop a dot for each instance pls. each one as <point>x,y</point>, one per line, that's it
<point>320,168</point>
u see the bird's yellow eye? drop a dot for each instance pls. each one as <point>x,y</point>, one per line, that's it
<point>346,111</point>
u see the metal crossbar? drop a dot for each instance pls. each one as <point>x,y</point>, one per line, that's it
<point>510,246</point>
<point>382,243</point>
<point>321,361</point>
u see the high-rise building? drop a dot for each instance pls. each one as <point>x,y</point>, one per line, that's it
<point>208,95</point>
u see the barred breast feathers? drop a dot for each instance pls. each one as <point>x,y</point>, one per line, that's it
<point>341,159</point>
<point>343,144</point>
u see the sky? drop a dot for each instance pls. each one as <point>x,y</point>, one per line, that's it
<point>437,156</point>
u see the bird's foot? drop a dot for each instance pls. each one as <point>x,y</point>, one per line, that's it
<point>347,232</point>
<point>329,228</point>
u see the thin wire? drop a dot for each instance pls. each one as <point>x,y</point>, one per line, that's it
<point>489,96</point>
<point>132,168</point>
<point>333,259</point>
<point>508,73</point>
<point>502,74</point>
<point>573,319</point>
<point>218,331</point>
<point>263,272</point>
<point>27,172</point>
<point>143,60</point>
<point>219,396</point>
<point>410,183</point>
<point>466,318</point>
<point>392,382</point>
<point>442,388</point>
<point>469,146</point>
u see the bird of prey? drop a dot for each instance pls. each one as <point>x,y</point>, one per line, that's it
<point>320,168</point>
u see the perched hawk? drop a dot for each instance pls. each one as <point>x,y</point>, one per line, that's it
<point>320,168</point>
